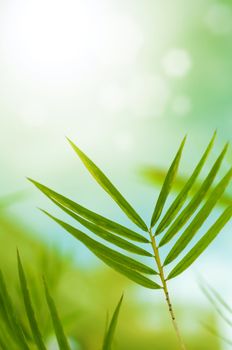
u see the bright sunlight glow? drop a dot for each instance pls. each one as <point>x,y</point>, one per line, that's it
<point>72,38</point>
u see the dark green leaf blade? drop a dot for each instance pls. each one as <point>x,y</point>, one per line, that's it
<point>29,308</point>
<point>106,184</point>
<point>98,248</point>
<point>166,188</point>
<point>106,235</point>
<point>9,315</point>
<point>202,244</point>
<point>199,219</point>
<point>90,215</point>
<point>181,197</point>
<point>59,331</point>
<point>107,344</point>
<point>195,202</point>
<point>128,272</point>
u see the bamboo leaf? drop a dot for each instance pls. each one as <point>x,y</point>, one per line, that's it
<point>128,272</point>
<point>106,235</point>
<point>167,185</point>
<point>202,244</point>
<point>182,196</point>
<point>10,317</point>
<point>215,333</point>
<point>98,248</point>
<point>215,305</point>
<point>107,345</point>
<point>199,219</point>
<point>60,335</point>
<point>195,201</point>
<point>106,184</point>
<point>90,215</point>
<point>29,308</point>
<point>219,299</point>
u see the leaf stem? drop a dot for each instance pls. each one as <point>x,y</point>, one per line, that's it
<point>165,289</point>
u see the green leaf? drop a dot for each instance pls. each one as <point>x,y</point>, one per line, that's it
<point>107,345</point>
<point>183,194</point>
<point>90,215</point>
<point>60,335</point>
<point>199,219</point>
<point>195,201</point>
<point>128,272</point>
<point>202,244</point>
<point>215,333</point>
<point>211,299</point>
<point>167,185</point>
<point>101,249</point>
<point>105,183</point>
<point>106,235</point>
<point>29,308</point>
<point>219,299</point>
<point>9,316</point>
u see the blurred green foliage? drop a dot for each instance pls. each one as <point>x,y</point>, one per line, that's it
<point>83,297</point>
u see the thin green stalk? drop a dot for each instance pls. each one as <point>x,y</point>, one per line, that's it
<point>165,289</point>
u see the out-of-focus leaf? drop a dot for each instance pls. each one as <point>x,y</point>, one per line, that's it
<point>60,335</point>
<point>106,184</point>
<point>9,315</point>
<point>107,344</point>
<point>199,219</point>
<point>202,244</point>
<point>90,215</point>
<point>214,332</point>
<point>29,308</point>
<point>195,201</point>
<point>166,188</point>
<point>156,176</point>
<point>181,197</point>
<point>215,305</point>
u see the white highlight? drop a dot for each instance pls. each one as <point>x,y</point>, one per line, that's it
<point>67,39</point>
<point>177,63</point>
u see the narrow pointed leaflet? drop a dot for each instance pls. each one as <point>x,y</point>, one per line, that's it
<point>129,267</point>
<point>202,244</point>
<point>88,214</point>
<point>182,196</point>
<point>192,206</point>
<point>107,185</point>
<point>29,308</point>
<point>167,185</point>
<point>199,219</point>
<point>59,331</point>
<point>107,344</point>
<point>106,235</point>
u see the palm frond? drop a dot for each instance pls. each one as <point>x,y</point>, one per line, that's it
<point>166,225</point>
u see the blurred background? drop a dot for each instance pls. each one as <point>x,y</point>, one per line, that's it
<point>125,80</point>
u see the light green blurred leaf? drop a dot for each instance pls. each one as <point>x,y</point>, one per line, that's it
<point>60,335</point>
<point>107,345</point>
<point>29,308</point>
